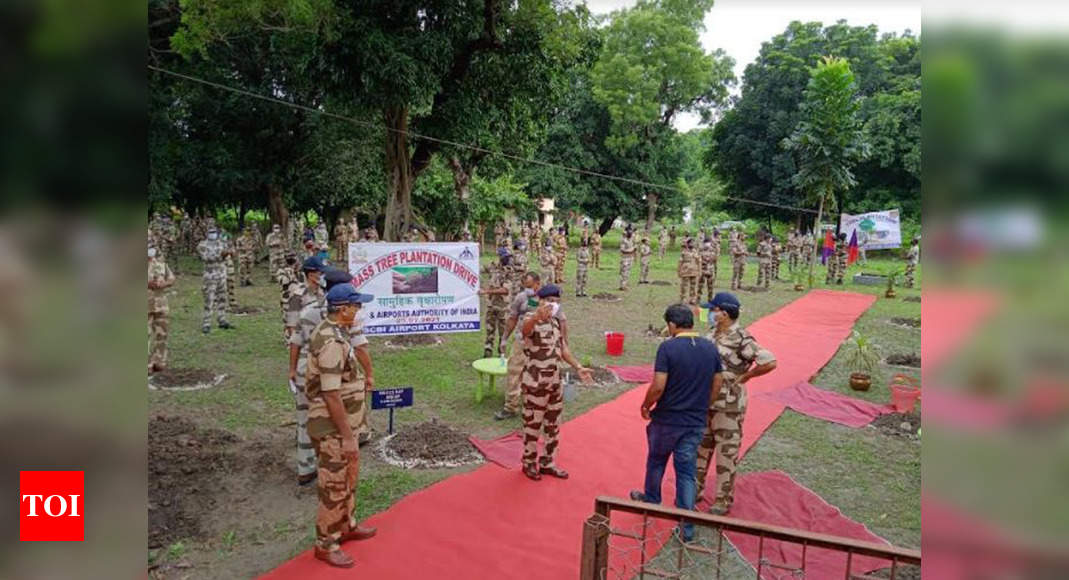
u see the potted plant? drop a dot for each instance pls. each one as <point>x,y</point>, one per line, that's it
<point>797,277</point>
<point>862,360</point>
<point>891,279</point>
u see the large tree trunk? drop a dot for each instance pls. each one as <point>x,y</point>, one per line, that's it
<point>606,225</point>
<point>399,216</point>
<point>818,237</point>
<point>276,208</point>
<point>461,186</point>
<point>243,208</point>
<point>651,210</point>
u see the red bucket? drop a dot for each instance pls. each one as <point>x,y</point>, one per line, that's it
<point>904,397</point>
<point>614,343</point>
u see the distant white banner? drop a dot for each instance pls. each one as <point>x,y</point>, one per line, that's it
<point>418,288</point>
<point>876,230</point>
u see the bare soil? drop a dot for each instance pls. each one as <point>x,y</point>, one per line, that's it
<point>905,360</point>
<point>178,377</point>
<point>910,322</point>
<point>903,572</point>
<point>755,289</point>
<point>912,299</point>
<point>431,442</point>
<point>243,310</point>
<point>661,283</point>
<point>891,424</point>
<point>606,296</point>
<point>410,340</point>
<point>602,377</point>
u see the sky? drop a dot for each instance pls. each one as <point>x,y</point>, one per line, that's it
<point>740,26</point>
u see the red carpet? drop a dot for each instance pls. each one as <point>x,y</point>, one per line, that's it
<point>506,451</point>
<point>806,399</point>
<point>772,497</point>
<point>495,523</point>
<point>950,317</point>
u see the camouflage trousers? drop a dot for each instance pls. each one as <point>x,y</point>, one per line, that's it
<point>157,332</point>
<point>245,262</point>
<point>911,270</point>
<point>660,250</point>
<point>306,455</point>
<point>558,268</point>
<point>275,259</point>
<point>595,257</point>
<point>549,274</point>
<point>625,270</point>
<point>214,291</point>
<point>337,480</point>
<point>764,272</point>
<point>688,289</point>
<point>840,269</point>
<point>723,435</point>
<point>231,282</point>
<point>775,267</point>
<point>580,280</point>
<point>495,328</point>
<point>705,285</point>
<point>644,270</point>
<point>738,268</point>
<point>516,364</point>
<point>792,261</point>
<point>543,401</point>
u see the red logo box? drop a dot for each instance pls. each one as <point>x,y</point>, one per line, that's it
<point>51,506</point>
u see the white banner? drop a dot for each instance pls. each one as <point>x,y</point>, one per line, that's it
<point>876,230</point>
<point>418,288</point>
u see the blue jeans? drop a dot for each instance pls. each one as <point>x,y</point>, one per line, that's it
<point>682,444</point>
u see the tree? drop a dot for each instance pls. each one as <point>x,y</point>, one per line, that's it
<point>652,67</point>
<point>828,140</point>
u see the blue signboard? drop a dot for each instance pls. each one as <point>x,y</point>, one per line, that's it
<point>391,398</point>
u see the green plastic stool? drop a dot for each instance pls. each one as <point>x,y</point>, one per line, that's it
<point>488,367</point>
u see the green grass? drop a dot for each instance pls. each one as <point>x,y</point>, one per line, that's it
<point>871,478</point>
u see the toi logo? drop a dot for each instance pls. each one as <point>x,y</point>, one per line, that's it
<point>51,506</point>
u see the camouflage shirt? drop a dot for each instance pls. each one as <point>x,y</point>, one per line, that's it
<point>645,250</point>
<point>303,296</point>
<point>708,257</point>
<point>764,249</point>
<point>332,366</point>
<point>738,352</point>
<point>595,240</point>
<point>689,263</point>
<point>627,246</point>
<point>498,279</point>
<point>211,251</point>
<point>542,346</point>
<point>159,273</point>
<point>583,255</point>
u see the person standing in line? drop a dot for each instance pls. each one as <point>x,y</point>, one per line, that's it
<point>687,371</point>
<point>582,263</point>
<point>688,271</point>
<point>160,278</point>
<point>497,291</point>
<point>707,279</point>
<point>742,359</point>
<point>212,251</point>
<point>913,257</point>
<point>595,249</point>
<point>560,243</point>
<point>627,257</point>
<point>764,261</point>
<point>662,243</point>
<point>548,262</point>
<point>644,253</point>
<point>738,260</point>
<point>543,398</point>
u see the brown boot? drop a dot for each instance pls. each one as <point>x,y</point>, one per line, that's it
<point>335,558</point>
<point>358,533</point>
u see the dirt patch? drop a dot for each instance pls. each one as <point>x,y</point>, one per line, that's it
<point>179,379</point>
<point>755,289</point>
<point>429,444</point>
<point>661,283</point>
<point>908,322</point>
<point>905,360</point>
<point>903,425</point>
<point>184,464</point>
<point>244,310</point>
<point>912,299</point>
<point>606,297</point>
<point>602,376</point>
<point>902,572</point>
<point>411,340</point>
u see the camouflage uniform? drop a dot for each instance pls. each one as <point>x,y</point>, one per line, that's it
<point>246,252</point>
<point>341,242</point>
<point>662,243</point>
<point>777,249</point>
<point>595,250</point>
<point>840,262</point>
<point>560,244</point>
<point>231,274</point>
<point>165,235</point>
<point>549,265</point>
<point>543,398</point>
<point>672,236</point>
<point>496,308</point>
<point>792,252</point>
<point>306,309</point>
<point>764,263</point>
<point>275,250</point>
<point>644,253</point>
<point>519,270</point>
<point>689,271</point>
<point>582,259</point>
<point>332,366</point>
<point>627,259</point>
<point>289,281</point>
<point>160,275</point>
<point>213,286</point>
<point>738,261</point>
<point>723,431</point>
<point>912,257</point>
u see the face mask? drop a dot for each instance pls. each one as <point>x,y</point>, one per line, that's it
<point>554,307</point>
<point>152,252</point>
<point>322,282</point>
<point>213,236</point>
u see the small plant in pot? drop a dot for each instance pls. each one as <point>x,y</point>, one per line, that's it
<point>862,360</point>
<point>892,278</point>
<point>798,278</point>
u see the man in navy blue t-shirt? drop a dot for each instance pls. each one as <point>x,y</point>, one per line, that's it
<point>686,374</point>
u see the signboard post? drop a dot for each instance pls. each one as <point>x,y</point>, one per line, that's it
<point>418,288</point>
<point>391,399</point>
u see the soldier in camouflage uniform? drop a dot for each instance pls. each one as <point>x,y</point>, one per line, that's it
<point>764,261</point>
<point>517,266</point>
<point>582,263</point>
<point>777,249</point>
<point>275,248</point>
<point>231,273</point>
<point>672,236</point>
<point>341,242</point>
<point>837,262</point>
<point>645,252</point>
<point>742,359</point>
<point>738,259</point>
<point>337,392</point>
<point>548,263</point>
<point>543,398</point>
<point>212,251</point>
<point>708,255</point>
<point>289,279</point>
<point>246,252</point>
<point>373,234</point>
<point>165,235</point>
<point>307,300</point>
<point>913,256</point>
<point>792,251</point>
<point>627,257</point>
<point>160,278</point>
<point>689,270</point>
<point>595,249</point>
<point>662,243</point>
<point>498,291</point>
<point>560,244</point>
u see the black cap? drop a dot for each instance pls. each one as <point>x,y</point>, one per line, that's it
<point>313,264</point>
<point>724,301</point>
<point>335,276</point>
<point>549,290</point>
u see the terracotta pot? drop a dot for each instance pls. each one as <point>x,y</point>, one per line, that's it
<point>889,294</point>
<point>799,287</point>
<point>860,381</point>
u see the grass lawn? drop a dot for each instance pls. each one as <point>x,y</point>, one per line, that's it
<point>261,518</point>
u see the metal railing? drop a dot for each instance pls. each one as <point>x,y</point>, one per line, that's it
<point>597,530</point>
